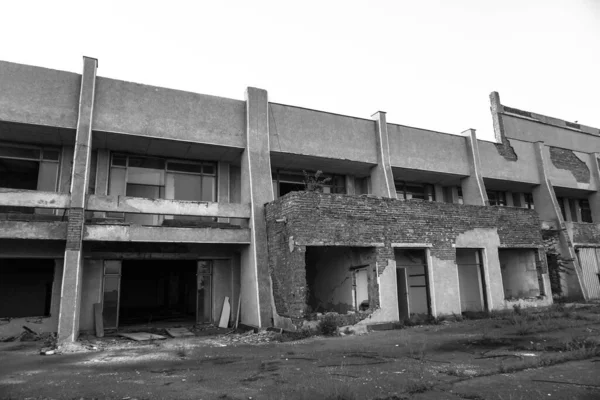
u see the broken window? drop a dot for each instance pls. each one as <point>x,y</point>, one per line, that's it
<point>28,168</point>
<point>26,287</point>
<point>414,190</point>
<point>286,181</point>
<point>586,211</point>
<point>156,178</point>
<point>496,198</point>
<point>520,275</point>
<point>471,280</point>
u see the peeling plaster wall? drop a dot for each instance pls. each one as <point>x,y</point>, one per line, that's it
<point>302,219</point>
<point>519,273</point>
<point>495,165</point>
<point>569,168</point>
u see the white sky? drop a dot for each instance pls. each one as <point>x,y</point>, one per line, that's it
<point>429,64</point>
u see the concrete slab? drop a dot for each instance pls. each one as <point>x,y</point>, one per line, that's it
<point>179,332</point>
<point>142,336</point>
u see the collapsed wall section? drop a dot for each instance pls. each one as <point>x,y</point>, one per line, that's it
<point>302,219</point>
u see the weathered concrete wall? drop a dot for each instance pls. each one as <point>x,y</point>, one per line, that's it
<point>533,131</point>
<point>302,219</point>
<point>317,133</point>
<point>33,230</point>
<point>423,150</point>
<point>583,234</point>
<point>519,273</point>
<point>14,326</point>
<point>494,165</point>
<point>39,96</point>
<point>136,233</point>
<point>126,107</point>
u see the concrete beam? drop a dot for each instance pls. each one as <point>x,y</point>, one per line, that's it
<point>473,187</point>
<point>382,177</point>
<point>33,198</point>
<point>33,230</point>
<point>138,205</point>
<point>155,234</point>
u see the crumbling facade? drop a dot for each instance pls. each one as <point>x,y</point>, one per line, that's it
<point>131,204</point>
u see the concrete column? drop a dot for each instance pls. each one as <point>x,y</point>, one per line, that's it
<point>70,296</point>
<point>223,189</point>
<point>509,199</point>
<point>102,172</point>
<point>522,200</point>
<point>382,178</point>
<point>473,187</point>
<point>594,198</point>
<point>350,184</point>
<point>66,164</point>
<point>546,205</point>
<point>568,213</point>
<point>439,193</point>
<point>257,189</point>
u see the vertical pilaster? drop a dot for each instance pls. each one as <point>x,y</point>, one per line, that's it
<point>382,178</point>
<point>257,189</point>
<point>439,193</point>
<point>509,199</point>
<point>496,108</point>
<point>68,318</point>
<point>594,198</point>
<point>223,189</point>
<point>473,187</point>
<point>350,184</point>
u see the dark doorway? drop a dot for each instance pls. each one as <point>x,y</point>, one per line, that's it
<point>25,287</point>
<point>412,282</point>
<point>157,290</point>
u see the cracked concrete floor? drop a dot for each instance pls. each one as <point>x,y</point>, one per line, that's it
<point>458,360</point>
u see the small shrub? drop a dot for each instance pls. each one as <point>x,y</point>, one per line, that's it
<point>517,309</point>
<point>328,326</point>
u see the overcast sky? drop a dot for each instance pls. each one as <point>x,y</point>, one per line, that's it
<point>430,64</point>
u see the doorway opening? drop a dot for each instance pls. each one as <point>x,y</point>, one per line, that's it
<point>412,281</point>
<point>149,291</point>
<point>26,287</point>
<point>521,277</point>
<point>471,280</point>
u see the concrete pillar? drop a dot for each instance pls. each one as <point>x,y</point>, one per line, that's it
<point>223,186</point>
<point>594,198</point>
<point>473,188</point>
<point>102,172</point>
<point>350,184</point>
<point>382,178</point>
<point>546,205</point>
<point>439,193</point>
<point>257,189</point>
<point>522,200</point>
<point>66,164</point>
<point>568,213</point>
<point>70,296</point>
<point>509,199</point>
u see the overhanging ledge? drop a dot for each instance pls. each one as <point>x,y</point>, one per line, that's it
<point>33,230</point>
<point>137,233</point>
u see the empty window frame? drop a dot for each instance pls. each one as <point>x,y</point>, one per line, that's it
<point>286,181</point>
<point>28,167</point>
<point>414,190</point>
<point>586,211</point>
<point>496,198</point>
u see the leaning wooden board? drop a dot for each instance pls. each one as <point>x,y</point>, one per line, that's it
<point>224,321</point>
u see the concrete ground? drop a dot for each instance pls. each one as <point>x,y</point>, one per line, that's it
<point>550,354</point>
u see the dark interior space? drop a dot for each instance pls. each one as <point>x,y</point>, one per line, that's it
<point>25,287</point>
<point>18,174</point>
<point>157,290</point>
<point>285,188</point>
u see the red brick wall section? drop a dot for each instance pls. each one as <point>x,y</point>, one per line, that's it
<point>75,228</point>
<point>347,220</point>
<point>566,159</point>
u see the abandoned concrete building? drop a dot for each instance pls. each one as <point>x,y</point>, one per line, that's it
<point>148,204</point>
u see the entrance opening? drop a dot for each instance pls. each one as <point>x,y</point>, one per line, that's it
<point>25,287</point>
<point>520,275</point>
<point>157,290</point>
<point>412,282</point>
<point>471,280</point>
<point>337,278</point>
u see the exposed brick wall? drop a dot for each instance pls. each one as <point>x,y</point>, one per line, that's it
<point>584,233</point>
<point>347,220</point>
<point>75,228</point>
<point>566,159</point>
